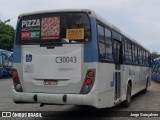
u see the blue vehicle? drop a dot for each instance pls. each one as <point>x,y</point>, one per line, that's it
<point>156,69</point>
<point>6,62</point>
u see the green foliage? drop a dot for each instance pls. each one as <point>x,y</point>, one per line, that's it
<point>6,36</point>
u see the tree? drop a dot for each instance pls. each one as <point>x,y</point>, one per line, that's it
<point>155,55</point>
<point>6,36</point>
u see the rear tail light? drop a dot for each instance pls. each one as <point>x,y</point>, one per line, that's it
<point>15,77</point>
<point>90,74</point>
<point>16,81</point>
<point>89,81</point>
<point>14,73</point>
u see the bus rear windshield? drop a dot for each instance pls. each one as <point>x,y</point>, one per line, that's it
<point>63,27</point>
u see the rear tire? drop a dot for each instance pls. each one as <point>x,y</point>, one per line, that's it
<point>127,102</point>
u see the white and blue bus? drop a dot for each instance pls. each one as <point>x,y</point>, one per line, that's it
<point>156,69</point>
<point>6,63</point>
<point>75,57</point>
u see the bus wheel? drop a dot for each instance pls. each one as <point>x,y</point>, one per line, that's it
<point>145,90</point>
<point>128,97</point>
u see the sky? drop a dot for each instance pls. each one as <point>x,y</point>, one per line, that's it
<point>139,19</point>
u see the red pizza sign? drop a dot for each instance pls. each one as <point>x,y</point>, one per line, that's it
<point>40,28</point>
<point>25,35</point>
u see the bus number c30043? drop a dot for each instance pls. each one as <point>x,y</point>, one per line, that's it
<point>66,59</point>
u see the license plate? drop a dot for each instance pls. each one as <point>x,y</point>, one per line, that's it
<point>51,82</point>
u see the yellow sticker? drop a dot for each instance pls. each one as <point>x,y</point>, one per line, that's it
<point>75,34</point>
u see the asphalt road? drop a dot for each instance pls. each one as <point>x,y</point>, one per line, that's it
<point>140,102</point>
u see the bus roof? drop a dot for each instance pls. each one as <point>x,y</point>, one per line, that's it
<point>93,14</point>
<point>101,19</point>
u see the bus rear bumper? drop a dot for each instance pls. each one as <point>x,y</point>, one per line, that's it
<point>64,99</point>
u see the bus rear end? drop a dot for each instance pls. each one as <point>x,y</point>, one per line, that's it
<point>49,59</point>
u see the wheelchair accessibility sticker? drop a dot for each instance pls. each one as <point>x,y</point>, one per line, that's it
<point>28,58</point>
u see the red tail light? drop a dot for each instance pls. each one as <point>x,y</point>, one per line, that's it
<point>15,77</point>
<point>88,81</point>
<point>16,80</point>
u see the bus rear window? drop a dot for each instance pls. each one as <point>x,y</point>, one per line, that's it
<point>54,28</point>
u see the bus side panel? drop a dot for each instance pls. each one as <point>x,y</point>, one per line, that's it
<point>104,78</point>
<point>131,73</point>
<point>105,84</point>
<point>143,77</point>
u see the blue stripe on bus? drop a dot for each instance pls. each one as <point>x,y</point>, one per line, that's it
<point>17,54</point>
<point>91,48</point>
<point>17,50</point>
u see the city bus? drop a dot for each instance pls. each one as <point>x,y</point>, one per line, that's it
<point>156,69</point>
<point>75,57</point>
<point>6,63</point>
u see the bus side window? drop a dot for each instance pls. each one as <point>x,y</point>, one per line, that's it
<point>102,50</point>
<point>130,52</point>
<point>133,53</point>
<point>136,54</point>
<point>108,41</point>
<point>101,42</point>
<point>126,52</point>
<point>140,56</point>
